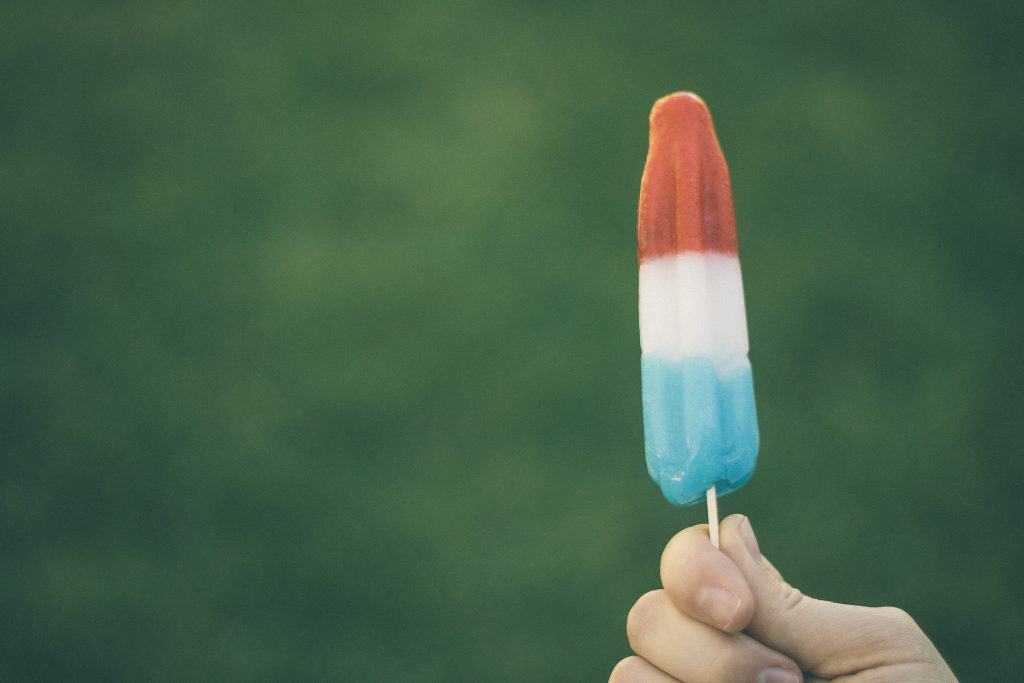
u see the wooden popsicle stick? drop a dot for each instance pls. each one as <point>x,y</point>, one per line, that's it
<point>713,515</point>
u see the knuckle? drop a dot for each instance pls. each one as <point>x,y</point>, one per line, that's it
<point>691,534</point>
<point>739,660</point>
<point>901,633</point>
<point>685,560</point>
<point>786,608</point>
<point>897,617</point>
<point>674,548</point>
<point>642,615</point>
<point>902,629</point>
<point>723,667</point>
<point>626,670</point>
<point>792,598</point>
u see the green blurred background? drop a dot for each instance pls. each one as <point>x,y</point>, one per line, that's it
<point>320,355</point>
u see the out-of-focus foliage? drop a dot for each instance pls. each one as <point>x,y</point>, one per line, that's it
<point>319,353</point>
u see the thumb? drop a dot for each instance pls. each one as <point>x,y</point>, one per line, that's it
<point>825,638</point>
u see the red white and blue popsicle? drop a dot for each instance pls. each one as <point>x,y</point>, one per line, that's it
<point>700,424</point>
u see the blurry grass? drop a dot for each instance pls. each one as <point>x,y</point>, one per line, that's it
<point>319,334</point>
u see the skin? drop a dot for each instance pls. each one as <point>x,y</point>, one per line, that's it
<point>726,616</point>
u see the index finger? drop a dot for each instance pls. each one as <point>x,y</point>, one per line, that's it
<point>704,583</point>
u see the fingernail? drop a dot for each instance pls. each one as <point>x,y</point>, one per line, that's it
<point>776,675</point>
<point>719,605</point>
<point>749,539</point>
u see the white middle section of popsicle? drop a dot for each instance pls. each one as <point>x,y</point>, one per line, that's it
<point>691,305</point>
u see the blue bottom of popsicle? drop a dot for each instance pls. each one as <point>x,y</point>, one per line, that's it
<point>700,428</point>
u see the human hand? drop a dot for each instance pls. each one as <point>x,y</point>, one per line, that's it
<point>727,615</point>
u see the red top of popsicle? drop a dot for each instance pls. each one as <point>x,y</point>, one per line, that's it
<point>685,196</point>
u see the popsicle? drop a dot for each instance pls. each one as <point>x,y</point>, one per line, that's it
<point>700,424</point>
